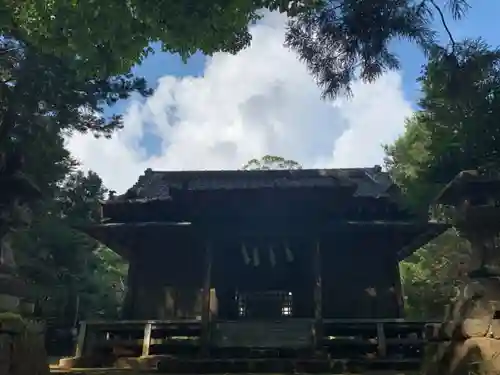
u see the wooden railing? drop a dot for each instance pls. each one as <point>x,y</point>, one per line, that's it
<point>177,345</point>
<point>138,338</point>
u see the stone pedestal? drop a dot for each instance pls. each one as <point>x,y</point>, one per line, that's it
<point>473,322</point>
<point>22,349</point>
<point>473,327</point>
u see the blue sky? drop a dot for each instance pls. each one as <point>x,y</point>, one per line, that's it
<point>217,113</point>
<point>480,22</point>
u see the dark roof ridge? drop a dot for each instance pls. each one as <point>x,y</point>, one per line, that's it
<point>377,169</point>
<point>366,181</point>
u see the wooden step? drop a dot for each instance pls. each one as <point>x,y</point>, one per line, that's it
<point>283,366</point>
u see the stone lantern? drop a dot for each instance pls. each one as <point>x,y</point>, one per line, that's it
<point>471,201</point>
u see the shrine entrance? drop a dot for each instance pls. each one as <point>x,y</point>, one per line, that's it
<point>272,305</point>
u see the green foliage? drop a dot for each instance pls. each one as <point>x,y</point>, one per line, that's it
<point>461,104</point>
<point>455,129</point>
<point>42,96</point>
<point>430,276</point>
<point>45,94</point>
<point>269,162</point>
<point>341,40</point>
<point>110,37</point>
<point>115,34</point>
<point>406,160</point>
<point>63,264</point>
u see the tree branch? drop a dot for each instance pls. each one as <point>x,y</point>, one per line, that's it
<point>7,50</point>
<point>443,21</point>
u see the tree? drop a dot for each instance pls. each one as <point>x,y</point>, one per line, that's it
<point>461,106</point>
<point>431,275</point>
<point>271,162</point>
<point>42,95</point>
<point>75,275</point>
<point>45,93</point>
<point>42,98</point>
<point>111,37</point>
<point>338,39</point>
<point>341,40</point>
<point>454,129</point>
<point>406,161</point>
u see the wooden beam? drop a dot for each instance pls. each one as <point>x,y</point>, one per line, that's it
<point>207,224</point>
<point>432,231</point>
<point>318,297</point>
<point>146,339</point>
<point>205,311</point>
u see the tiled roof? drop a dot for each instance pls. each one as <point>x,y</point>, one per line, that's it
<point>367,182</point>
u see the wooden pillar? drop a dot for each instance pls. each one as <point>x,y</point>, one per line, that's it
<point>146,343</point>
<point>399,292</point>
<point>81,340</point>
<point>128,310</point>
<point>381,342</point>
<point>130,303</point>
<point>318,297</point>
<point>390,300</point>
<point>205,309</point>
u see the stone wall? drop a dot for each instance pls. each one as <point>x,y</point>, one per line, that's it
<point>22,349</point>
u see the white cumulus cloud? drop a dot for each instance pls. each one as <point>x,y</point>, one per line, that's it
<point>261,101</point>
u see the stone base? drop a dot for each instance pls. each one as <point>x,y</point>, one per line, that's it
<point>473,325</point>
<point>478,355</point>
<point>22,349</point>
